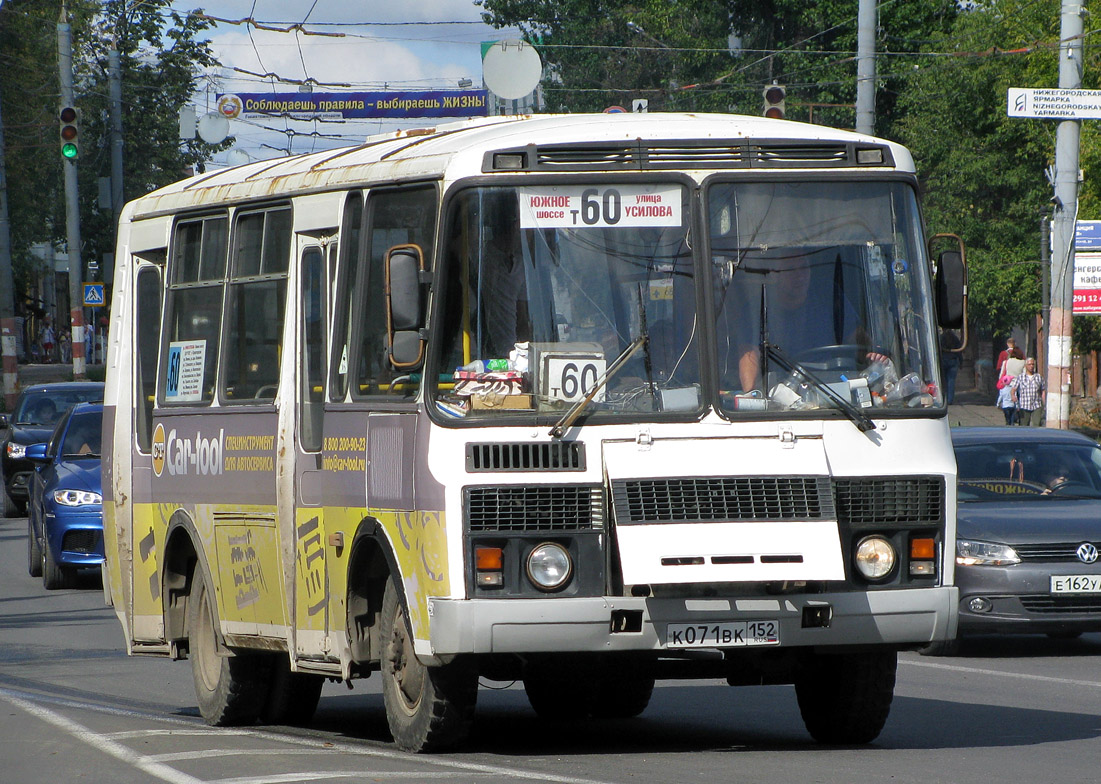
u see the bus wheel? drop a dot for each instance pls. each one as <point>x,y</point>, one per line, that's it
<point>292,696</point>
<point>54,575</point>
<point>622,693</point>
<point>845,699</point>
<point>230,689</point>
<point>34,552</point>
<point>559,691</point>
<point>427,708</point>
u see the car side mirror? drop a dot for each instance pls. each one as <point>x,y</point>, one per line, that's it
<point>405,305</point>
<point>36,453</point>
<point>4,422</point>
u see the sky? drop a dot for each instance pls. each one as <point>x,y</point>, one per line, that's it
<point>365,46</point>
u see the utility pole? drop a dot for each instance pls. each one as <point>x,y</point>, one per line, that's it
<point>865,67</point>
<point>7,290</point>
<point>114,71</point>
<point>1063,224</point>
<point>72,202</point>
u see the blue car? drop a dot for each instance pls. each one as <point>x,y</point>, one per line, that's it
<point>65,513</point>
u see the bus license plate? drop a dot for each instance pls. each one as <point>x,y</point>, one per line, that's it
<point>722,635</point>
<point>1076,583</point>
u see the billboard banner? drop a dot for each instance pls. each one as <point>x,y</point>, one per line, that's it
<point>358,105</point>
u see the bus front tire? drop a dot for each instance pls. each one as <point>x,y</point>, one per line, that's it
<point>428,708</point>
<point>845,699</point>
<point>231,690</point>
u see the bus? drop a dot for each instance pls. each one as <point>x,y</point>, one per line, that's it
<point>582,402</point>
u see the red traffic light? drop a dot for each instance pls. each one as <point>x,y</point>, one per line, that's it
<point>774,95</point>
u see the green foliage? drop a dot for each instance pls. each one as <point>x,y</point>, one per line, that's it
<point>162,55</point>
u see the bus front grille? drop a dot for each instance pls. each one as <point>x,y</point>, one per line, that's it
<point>879,501</point>
<point>526,456</point>
<point>722,499</point>
<point>535,508</point>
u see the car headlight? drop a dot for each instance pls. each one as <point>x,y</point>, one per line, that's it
<point>549,566</point>
<point>875,557</point>
<point>970,553</point>
<point>16,451</point>
<point>77,497</point>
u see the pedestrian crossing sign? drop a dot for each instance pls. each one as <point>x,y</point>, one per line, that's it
<point>93,295</point>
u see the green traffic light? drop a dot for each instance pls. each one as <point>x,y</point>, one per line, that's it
<point>68,150</point>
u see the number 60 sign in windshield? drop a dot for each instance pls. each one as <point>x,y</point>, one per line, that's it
<point>594,206</point>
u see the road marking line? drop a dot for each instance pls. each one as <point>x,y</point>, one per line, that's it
<point>320,746</point>
<point>355,775</point>
<point>103,743</point>
<point>1000,674</point>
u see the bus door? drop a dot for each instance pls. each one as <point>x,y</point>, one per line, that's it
<point>146,528</point>
<point>311,572</point>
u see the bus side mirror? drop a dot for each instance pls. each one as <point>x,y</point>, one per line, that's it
<point>405,305</point>
<point>951,289</point>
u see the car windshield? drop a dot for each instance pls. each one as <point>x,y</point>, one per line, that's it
<point>45,408</point>
<point>82,437</point>
<point>1028,470</point>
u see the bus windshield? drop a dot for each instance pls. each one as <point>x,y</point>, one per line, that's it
<point>548,286</point>
<point>820,285</point>
<point>819,300</point>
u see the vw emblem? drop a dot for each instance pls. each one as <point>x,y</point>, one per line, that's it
<point>1086,552</point>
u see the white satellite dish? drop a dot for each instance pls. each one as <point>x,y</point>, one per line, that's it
<point>237,157</point>
<point>511,69</point>
<point>213,128</point>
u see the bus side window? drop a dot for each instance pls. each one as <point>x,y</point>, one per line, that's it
<point>405,217</point>
<point>255,305</point>
<point>194,306</point>
<point>312,361</point>
<point>346,276</point>
<point>147,332</point>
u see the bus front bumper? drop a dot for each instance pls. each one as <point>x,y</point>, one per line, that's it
<point>608,624</point>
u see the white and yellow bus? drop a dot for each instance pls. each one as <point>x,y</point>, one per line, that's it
<point>578,401</point>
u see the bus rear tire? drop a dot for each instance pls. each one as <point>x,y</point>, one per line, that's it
<point>292,696</point>
<point>845,699</point>
<point>231,690</point>
<point>428,708</point>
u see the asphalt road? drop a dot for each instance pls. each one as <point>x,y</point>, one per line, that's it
<point>73,707</point>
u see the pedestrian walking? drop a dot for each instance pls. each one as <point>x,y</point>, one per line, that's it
<point>1029,393</point>
<point>1005,400</point>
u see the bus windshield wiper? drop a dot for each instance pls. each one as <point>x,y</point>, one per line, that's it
<point>862,421</point>
<point>575,410</point>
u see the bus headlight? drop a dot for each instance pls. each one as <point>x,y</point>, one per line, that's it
<point>549,566</point>
<point>875,557</point>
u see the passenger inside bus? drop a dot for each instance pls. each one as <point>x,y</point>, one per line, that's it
<point>806,310</point>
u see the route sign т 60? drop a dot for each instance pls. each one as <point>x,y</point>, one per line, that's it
<point>1054,103</point>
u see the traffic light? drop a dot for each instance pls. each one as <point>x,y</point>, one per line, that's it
<point>69,132</point>
<point>774,101</point>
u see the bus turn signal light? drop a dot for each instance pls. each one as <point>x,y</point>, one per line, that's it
<point>488,565</point>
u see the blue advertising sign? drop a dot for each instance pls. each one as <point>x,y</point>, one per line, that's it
<point>1087,235</point>
<point>346,106</point>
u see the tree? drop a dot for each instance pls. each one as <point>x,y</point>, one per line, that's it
<point>163,55</point>
<point>983,172</point>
